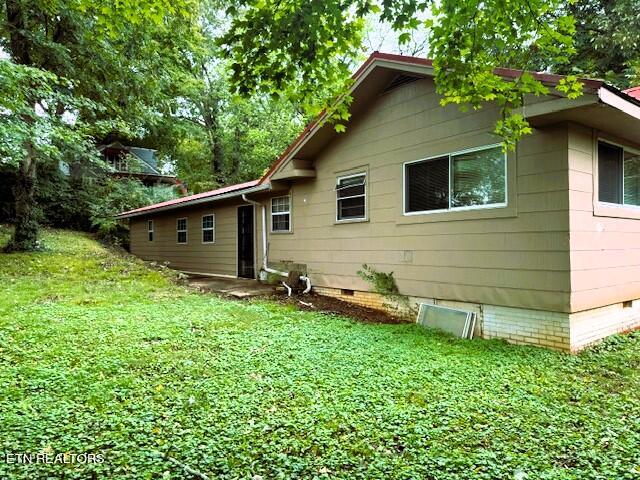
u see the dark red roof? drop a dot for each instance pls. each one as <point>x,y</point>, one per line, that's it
<point>191,198</point>
<point>633,92</point>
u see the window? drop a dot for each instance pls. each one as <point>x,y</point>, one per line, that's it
<point>150,230</point>
<point>464,180</point>
<point>351,197</point>
<point>281,214</point>
<point>618,175</point>
<point>208,225</point>
<point>181,229</point>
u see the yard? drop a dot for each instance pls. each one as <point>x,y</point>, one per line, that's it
<point>99,353</point>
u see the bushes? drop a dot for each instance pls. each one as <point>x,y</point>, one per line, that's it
<point>87,203</point>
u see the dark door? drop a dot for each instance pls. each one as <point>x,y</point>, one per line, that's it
<point>245,242</point>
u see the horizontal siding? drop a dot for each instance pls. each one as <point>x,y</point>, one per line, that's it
<point>605,251</point>
<point>519,260</point>
<point>218,258</point>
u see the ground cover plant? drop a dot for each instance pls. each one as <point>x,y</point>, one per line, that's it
<point>99,353</point>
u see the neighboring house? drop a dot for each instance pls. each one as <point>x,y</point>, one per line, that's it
<point>134,162</point>
<point>543,243</point>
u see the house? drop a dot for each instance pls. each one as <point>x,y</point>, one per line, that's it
<point>134,162</point>
<point>543,243</point>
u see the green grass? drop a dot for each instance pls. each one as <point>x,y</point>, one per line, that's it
<point>100,354</point>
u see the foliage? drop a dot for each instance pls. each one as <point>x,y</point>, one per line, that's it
<point>383,283</point>
<point>101,354</point>
<point>607,41</point>
<point>296,48</point>
<point>77,71</point>
<point>112,196</point>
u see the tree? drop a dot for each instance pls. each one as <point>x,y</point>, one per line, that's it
<point>77,70</point>
<point>297,48</point>
<point>607,41</point>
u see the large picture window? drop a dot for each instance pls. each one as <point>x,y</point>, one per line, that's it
<point>470,179</point>
<point>281,214</point>
<point>618,175</point>
<point>351,198</point>
<point>181,230</point>
<point>208,228</point>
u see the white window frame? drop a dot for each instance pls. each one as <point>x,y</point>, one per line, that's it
<point>151,230</point>
<point>352,219</point>
<point>288,212</point>
<point>624,148</point>
<point>186,230</point>
<point>451,208</point>
<point>208,229</point>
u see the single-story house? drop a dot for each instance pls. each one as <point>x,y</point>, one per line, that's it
<point>543,243</point>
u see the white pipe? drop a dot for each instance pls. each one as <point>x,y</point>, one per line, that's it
<point>265,249</point>
<point>308,280</point>
<point>288,289</point>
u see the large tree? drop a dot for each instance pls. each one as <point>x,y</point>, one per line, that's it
<point>297,48</point>
<point>78,70</point>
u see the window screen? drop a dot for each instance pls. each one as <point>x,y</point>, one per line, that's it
<point>280,214</point>
<point>351,197</point>
<point>609,173</point>
<point>208,222</point>
<point>150,230</point>
<point>181,229</point>
<point>427,185</point>
<point>478,178</point>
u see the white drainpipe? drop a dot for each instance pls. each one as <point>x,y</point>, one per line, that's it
<point>265,249</point>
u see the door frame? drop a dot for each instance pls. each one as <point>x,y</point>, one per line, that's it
<point>254,246</point>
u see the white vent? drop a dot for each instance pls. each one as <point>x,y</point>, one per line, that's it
<point>458,322</point>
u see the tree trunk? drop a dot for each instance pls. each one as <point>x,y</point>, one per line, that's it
<point>25,235</point>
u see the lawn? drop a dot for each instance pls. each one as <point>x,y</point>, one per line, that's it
<point>101,354</point>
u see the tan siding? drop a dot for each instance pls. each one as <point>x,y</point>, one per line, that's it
<point>516,256</point>
<point>218,258</point>
<point>605,251</point>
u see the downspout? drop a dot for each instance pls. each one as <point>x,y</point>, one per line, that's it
<point>265,249</point>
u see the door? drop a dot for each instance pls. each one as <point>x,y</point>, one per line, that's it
<point>245,242</point>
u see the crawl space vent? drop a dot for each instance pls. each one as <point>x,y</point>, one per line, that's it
<point>400,80</point>
<point>457,322</point>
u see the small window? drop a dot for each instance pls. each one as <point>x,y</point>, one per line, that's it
<point>150,230</point>
<point>351,197</point>
<point>281,214</point>
<point>618,175</point>
<point>208,226</point>
<point>181,228</point>
<point>465,180</point>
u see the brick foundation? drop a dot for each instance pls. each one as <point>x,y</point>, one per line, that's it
<point>556,330</point>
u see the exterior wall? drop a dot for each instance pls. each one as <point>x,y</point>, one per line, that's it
<point>605,242</point>
<point>516,256</point>
<point>218,258</point>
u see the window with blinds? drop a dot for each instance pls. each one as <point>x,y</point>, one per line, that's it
<point>470,179</point>
<point>351,197</point>
<point>618,175</point>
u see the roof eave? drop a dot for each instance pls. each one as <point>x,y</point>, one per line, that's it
<point>199,201</point>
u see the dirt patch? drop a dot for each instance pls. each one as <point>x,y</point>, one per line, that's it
<point>321,303</point>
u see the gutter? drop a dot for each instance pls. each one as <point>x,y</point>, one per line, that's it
<point>198,201</point>
<point>265,248</point>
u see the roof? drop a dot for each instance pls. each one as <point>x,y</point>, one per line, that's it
<point>626,101</point>
<point>218,194</point>
<point>548,79</point>
<point>633,92</point>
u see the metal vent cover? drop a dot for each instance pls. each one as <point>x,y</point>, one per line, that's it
<point>400,80</point>
<point>457,322</point>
